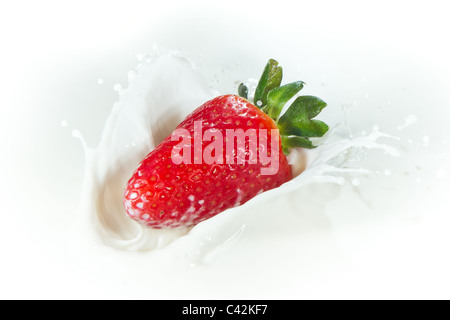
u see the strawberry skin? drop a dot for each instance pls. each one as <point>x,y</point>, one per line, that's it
<point>162,194</point>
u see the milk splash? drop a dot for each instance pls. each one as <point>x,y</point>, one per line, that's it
<point>162,90</point>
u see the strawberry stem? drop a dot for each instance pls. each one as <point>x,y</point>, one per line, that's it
<point>296,125</point>
<point>270,79</point>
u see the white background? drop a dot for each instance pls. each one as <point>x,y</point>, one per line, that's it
<point>54,53</point>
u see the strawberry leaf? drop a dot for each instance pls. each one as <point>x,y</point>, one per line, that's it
<point>243,91</point>
<point>270,79</point>
<point>288,143</point>
<point>277,98</point>
<point>297,120</point>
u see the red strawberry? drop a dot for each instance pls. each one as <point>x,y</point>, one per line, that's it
<point>216,175</point>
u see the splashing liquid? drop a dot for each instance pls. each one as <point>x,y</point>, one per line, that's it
<point>162,90</point>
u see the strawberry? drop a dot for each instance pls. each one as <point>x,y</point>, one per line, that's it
<point>180,184</point>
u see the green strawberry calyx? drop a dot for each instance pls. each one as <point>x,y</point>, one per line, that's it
<point>297,124</point>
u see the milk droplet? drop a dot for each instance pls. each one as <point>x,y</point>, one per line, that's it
<point>134,195</point>
<point>100,81</point>
<point>387,172</point>
<point>410,120</point>
<point>356,182</point>
<point>76,133</point>
<point>64,123</point>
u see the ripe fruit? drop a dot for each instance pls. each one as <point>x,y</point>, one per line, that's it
<point>223,154</point>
